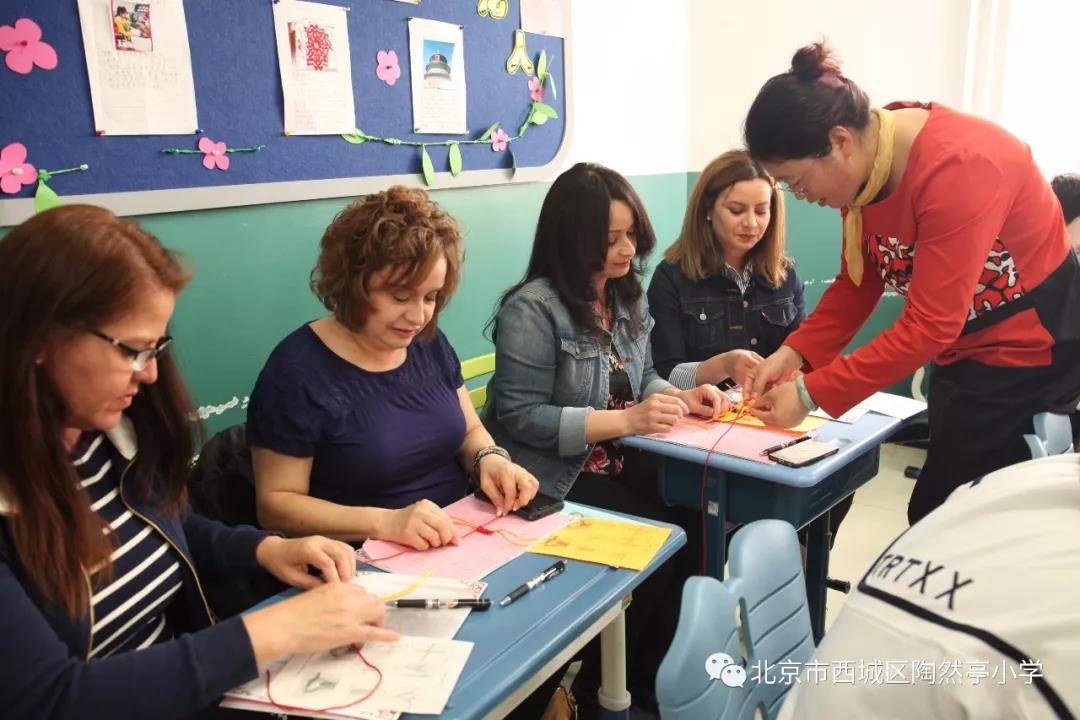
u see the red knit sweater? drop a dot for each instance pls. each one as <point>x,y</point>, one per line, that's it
<point>975,216</point>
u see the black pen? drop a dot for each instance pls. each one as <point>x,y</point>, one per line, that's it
<point>542,577</point>
<point>781,446</point>
<point>476,604</point>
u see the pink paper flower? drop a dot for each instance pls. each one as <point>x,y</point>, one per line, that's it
<point>536,90</point>
<point>24,47</point>
<point>499,139</point>
<point>213,154</point>
<point>14,170</point>
<point>388,70</point>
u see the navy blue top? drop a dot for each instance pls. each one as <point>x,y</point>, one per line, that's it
<point>377,439</point>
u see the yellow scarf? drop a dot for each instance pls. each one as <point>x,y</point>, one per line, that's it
<point>879,175</point>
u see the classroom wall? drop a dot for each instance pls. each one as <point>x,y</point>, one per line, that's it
<point>658,89</point>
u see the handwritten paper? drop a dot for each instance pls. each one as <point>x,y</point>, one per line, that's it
<point>478,554</point>
<point>316,69</point>
<point>437,64</point>
<point>139,65</point>
<point>606,542</point>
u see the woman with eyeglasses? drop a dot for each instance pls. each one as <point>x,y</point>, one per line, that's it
<point>360,423</point>
<point>101,606</point>
<point>952,213</point>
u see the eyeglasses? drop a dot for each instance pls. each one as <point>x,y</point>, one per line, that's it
<point>139,358</point>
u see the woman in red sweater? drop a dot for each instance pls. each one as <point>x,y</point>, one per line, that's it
<point>995,303</point>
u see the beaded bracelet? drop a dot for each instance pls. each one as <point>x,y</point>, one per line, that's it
<point>483,453</point>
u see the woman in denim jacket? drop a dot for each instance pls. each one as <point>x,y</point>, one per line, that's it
<point>574,372</point>
<point>726,293</point>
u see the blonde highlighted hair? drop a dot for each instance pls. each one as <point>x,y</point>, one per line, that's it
<point>698,251</point>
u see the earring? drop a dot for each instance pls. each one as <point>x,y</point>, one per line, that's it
<point>708,219</point>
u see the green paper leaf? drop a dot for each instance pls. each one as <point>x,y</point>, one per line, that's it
<point>428,166</point>
<point>487,133</point>
<point>45,198</point>
<point>537,118</point>
<point>544,109</point>
<point>455,159</point>
<point>541,66</point>
<point>355,137</point>
<point>513,161</point>
<point>551,83</point>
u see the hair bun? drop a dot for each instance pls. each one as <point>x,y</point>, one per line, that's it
<point>811,62</point>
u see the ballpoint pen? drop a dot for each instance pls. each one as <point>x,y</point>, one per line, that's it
<point>781,446</point>
<point>526,587</point>
<point>474,603</point>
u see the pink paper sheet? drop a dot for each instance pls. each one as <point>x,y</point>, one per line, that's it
<point>477,556</point>
<point>740,441</point>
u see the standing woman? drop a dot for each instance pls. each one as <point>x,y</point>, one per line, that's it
<point>726,290</point>
<point>995,299</point>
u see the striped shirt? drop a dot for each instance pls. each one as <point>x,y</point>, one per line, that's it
<point>128,608</point>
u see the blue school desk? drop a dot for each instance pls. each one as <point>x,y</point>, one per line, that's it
<point>517,647</point>
<point>741,491</point>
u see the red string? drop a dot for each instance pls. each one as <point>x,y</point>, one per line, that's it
<point>333,707</point>
<point>740,412</point>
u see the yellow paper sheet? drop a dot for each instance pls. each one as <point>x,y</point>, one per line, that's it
<point>607,542</point>
<point>810,423</point>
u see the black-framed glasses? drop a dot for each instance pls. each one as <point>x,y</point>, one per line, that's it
<point>139,358</point>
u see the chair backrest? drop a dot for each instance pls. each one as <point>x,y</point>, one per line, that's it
<point>1053,435</point>
<point>766,595</point>
<point>474,368</point>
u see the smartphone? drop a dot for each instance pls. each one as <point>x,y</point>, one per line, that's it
<point>804,453</point>
<point>541,506</point>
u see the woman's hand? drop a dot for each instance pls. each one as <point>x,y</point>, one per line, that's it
<point>509,487</point>
<point>329,616</point>
<point>780,407</point>
<point>705,401</point>
<point>420,526</point>
<point>288,560</point>
<point>737,364</point>
<point>778,368</point>
<point>655,414</point>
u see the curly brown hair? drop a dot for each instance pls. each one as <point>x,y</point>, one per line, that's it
<point>400,229</point>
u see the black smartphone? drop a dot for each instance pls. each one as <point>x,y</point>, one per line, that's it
<point>541,506</point>
<point>804,453</point>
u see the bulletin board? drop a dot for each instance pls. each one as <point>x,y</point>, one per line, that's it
<point>239,101</point>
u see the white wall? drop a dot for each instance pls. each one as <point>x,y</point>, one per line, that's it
<point>911,50</point>
<point>630,84</point>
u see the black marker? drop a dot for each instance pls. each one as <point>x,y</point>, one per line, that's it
<point>481,604</point>
<point>542,577</point>
<point>781,446</point>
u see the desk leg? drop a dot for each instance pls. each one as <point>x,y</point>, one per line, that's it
<point>613,696</point>
<point>817,572</point>
<point>680,485</point>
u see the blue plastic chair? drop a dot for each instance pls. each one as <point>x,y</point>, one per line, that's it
<point>1053,435</point>
<point>766,587</point>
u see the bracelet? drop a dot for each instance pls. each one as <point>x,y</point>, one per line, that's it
<point>483,453</point>
<point>804,394</point>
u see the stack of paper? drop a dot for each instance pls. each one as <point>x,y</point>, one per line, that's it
<point>605,542</point>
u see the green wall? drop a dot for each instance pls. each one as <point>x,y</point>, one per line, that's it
<point>251,266</point>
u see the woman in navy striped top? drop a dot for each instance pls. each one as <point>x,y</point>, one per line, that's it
<point>101,607</point>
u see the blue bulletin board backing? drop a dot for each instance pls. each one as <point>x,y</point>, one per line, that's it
<point>239,100</point>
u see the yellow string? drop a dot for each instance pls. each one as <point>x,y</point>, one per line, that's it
<point>509,535</point>
<point>406,591</point>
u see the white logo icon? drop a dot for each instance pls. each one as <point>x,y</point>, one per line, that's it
<point>715,664</point>
<point>720,666</point>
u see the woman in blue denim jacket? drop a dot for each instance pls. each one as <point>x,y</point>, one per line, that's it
<point>726,294</point>
<point>574,372</point>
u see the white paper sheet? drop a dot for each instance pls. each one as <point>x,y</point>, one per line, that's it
<point>543,17</point>
<point>139,66</point>
<point>316,69</point>
<point>413,622</point>
<point>896,406</point>
<point>437,62</point>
